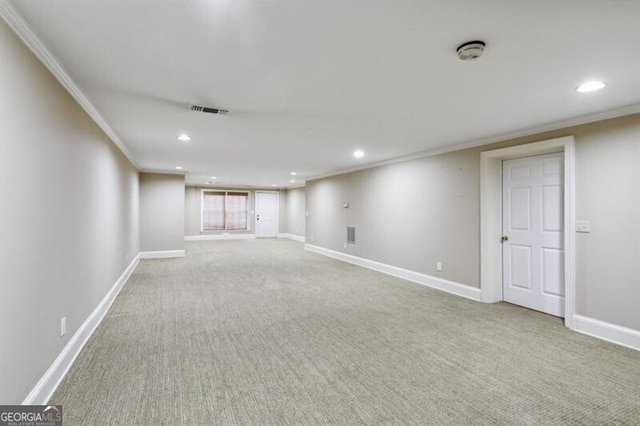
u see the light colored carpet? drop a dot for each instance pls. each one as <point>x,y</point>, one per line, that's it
<point>254,332</point>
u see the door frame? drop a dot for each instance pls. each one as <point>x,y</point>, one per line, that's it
<point>255,216</point>
<point>491,217</point>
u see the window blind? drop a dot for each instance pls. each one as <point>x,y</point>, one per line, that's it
<point>223,210</point>
<point>237,204</point>
<point>213,211</point>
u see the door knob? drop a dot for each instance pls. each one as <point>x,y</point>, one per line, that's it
<point>504,238</point>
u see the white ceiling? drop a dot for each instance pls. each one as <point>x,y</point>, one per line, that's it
<point>308,82</point>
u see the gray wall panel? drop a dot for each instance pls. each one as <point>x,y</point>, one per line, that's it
<point>415,213</point>
<point>69,218</point>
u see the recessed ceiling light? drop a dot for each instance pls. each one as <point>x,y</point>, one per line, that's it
<point>590,86</point>
<point>292,173</point>
<point>274,185</point>
<point>292,181</point>
<point>213,177</point>
<point>207,182</point>
<point>184,138</point>
<point>358,154</point>
<point>179,167</point>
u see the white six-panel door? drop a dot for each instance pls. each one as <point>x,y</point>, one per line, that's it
<point>532,226</point>
<point>266,214</point>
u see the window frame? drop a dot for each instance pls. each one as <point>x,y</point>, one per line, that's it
<point>226,194</point>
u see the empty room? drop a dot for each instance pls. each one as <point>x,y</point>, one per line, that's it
<point>271,212</point>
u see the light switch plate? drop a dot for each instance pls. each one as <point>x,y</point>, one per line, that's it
<point>583,226</point>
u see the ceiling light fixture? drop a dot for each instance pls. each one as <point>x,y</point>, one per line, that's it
<point>292,181</point>
<point>274,185</point>
<point>213,177</point>
<point>358,154</point>
<point>590,86</point>
<point>184,138</point>
<point>293,173</point>
<point>179,168</point>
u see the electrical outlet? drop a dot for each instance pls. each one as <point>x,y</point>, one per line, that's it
<point>439,266</point>
<point>583,226</point>
<point>63,326</point>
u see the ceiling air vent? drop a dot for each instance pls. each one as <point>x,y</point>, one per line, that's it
<point>209,110</point>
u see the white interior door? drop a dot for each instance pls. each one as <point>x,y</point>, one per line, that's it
<point>266,214</point>
<point>532,226</point>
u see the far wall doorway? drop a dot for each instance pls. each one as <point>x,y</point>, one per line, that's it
<point>266,223</point>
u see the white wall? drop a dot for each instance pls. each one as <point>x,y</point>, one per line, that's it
<point>409,215</point>
<point>162,210</point>
<point>608,196</point>
<point>415,213</point>
<point>68,217</point>
<point>283,200</point>
<point>294,212</point>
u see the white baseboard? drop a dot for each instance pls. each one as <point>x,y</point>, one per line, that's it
<point>206,237</point>
<point>161,254</point>
<point>292,237</point>
<point>606,331</point>
<point>417,277</point>
<point>49,382</point>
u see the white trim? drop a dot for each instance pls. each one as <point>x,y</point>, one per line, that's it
<point>417,277</point>
<point>161,254</point>
<point>296,186</point>
<point>292,237</point>
<point>255,216</point>
<point>48,383</point>
<point>606,331</point>
<point>575,121</point>
<point>22,29</point>
<point>491,216</point>
<point>225,236</point>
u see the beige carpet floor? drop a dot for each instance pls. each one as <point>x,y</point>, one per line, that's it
<point>260,332</point>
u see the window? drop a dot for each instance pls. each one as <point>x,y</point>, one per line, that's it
<point>225,211</point>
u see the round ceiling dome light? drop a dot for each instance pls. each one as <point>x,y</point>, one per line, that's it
<point>591,86</point>
<point>471,50</point>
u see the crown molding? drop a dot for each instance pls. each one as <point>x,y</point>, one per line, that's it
<point>562,124</point>
<point>17,23</point>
